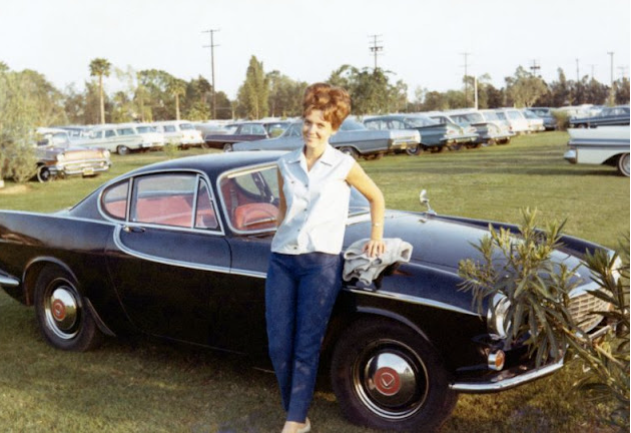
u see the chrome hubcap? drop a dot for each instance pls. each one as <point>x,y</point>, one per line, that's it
<point>391,380</point>
<point>62,312</point>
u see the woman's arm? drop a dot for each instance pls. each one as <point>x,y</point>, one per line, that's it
<point>282,204</point>
<point>365,185</point>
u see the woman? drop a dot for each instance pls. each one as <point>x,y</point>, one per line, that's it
<point>305,270</point>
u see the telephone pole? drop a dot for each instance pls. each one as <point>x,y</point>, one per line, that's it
<point>466,83</point>
<point>611,93</point>
<point>212,67</point>
<point>535,68</point>
<point>375,49</point>
<point>577,73</point>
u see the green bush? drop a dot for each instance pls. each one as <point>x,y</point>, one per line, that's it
<point>22,163</point>
<point>562,120</point>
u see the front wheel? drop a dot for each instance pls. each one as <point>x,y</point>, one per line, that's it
<point>122,150</point>
<point>43,174</point>
<point>227,147</point>
<point>414,150</point>
<point>623,165</point>
<point>388,377</point>
<point>64,321</point>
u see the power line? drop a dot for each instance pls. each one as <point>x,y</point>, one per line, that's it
<point>212,67</point>
<point>376,49</point>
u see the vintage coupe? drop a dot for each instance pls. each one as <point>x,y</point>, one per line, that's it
<point>607,145</point>
<point>353,138</point>
<point>607,117</point>
<point>247,131</point>
<point>179,250</point>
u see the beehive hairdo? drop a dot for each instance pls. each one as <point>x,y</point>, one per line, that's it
<point>334,102</point>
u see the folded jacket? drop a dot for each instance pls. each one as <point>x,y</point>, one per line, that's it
<point>358,264</point>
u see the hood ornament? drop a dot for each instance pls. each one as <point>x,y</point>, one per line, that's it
<point>425,201</point>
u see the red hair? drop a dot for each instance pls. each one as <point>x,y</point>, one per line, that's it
<point>334,102</point>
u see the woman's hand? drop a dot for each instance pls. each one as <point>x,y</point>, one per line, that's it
<point>375,248</point>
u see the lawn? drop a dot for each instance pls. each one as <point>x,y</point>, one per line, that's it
<point>138,385</point>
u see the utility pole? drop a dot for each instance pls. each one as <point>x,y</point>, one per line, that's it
<point>611,93</point>
<point>577,73</point>
<point>535,68</point>
<point>592,66</point>
<point>375,49</point>
<point>466,83</point>
<point>212,67</point>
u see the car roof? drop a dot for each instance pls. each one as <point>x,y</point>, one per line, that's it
<point>213,163</point>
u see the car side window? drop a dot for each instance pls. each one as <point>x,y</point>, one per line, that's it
<point>258,130</point>
<point>114,200</point>
<point>251,199</point>
<point>169,128</point>
<point>294,130</point>
<point>164,199</point>
<point>205,215</point>
<point>110,133</point>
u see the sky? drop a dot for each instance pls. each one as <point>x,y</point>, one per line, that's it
<point>424,41</point>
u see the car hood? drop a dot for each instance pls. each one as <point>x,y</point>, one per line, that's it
<point>442,242</point>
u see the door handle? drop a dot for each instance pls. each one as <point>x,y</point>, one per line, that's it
<point>135,229</point>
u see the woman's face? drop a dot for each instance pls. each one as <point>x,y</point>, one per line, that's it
<point>315,130</point>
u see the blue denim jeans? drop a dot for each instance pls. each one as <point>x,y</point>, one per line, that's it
<point>300,292</point>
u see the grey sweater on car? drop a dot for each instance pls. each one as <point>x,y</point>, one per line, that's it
<point>359,265</point>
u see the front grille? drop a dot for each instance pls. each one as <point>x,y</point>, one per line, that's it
<point>581,306</point>
<point>77,155</point>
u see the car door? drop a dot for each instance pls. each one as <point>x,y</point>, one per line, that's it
<point>169,260</point>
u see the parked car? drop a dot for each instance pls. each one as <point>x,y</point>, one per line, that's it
<point>535,122</point>
<point>434,136</point>
<point>352,138</point>
<point>489,132</point>
<point>465,128</point>
<point>276,128</point>
<point>180,133</point>
<point>57,156</point>
<point>179,250</point>
<point>492,116</point>
<point>607,145</point>
<point>608,116</point>
<point>518,124</point>
<point>235,133</point>
<point>549,121</point>
<point>122,138</point>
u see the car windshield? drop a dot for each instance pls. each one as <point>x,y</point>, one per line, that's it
<point>250,197</point>
<point>351,125</point>
<point>490,115</point>
<point>474,117</point>
<point>419,121</point>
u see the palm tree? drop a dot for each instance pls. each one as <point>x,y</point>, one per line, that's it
<point>177,88</point>
<point>99,68</point>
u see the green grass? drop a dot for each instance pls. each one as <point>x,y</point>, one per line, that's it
<point>135,385</point>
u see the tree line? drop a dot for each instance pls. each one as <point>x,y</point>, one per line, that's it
<point>152,95</point>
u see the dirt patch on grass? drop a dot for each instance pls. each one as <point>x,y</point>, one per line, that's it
<point>17,189</point>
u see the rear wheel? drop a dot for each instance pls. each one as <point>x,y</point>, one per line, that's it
<point>623,165</point>
<point>350,151</point>
<point>122,150</point>
<point>388,377</point>
<point>227,147</point>
<point>64,321</point>
<point>414,150</point>
<point>44,174</point>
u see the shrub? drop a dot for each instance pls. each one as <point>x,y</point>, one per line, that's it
<point>562,120</point>
<point>171,150</point>
<point>22,163</point>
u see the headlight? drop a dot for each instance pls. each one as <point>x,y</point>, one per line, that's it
<point>497,316</point>
<point>106,154</point>
<point>61,157</point>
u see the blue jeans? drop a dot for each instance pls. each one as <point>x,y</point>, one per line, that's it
<point>300,292</point>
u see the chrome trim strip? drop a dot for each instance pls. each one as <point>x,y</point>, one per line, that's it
<point>512,382</point>
<point>57,214</point>
<point>412,300</point>
<point>8,281</point>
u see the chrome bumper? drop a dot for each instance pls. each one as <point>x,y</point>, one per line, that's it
<point>507,379</point>
<point>8,281</point>
<point>571,156</point>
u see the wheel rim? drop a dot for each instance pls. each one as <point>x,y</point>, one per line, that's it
<point>390,380</point>
<point>43,175</point>
<point>227,147</point>
<point>624,164</point>
<point>62,309</point>
<point>414,150</point>
<point>122,150</point>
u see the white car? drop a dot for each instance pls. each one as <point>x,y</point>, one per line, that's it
<point>605,145</point>
<point>534,122</point>
<point>122,138</point>
<point>518,123</point>
<point>181,133</point>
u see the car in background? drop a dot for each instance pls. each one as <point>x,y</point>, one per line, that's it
<point>179,133</point>
<point>276,128</point>
<point>606,145</point>
<point>57,156</point>
<point>608,116</point>
<point>534,121</point>
<point>235,133</point>
<point>518,124</point>
<point>466,128</point>
<point>489,132</point>
<point>179,250</point>
<point>546,113</point>
<point>352,138</point>
<point>434,136</point>
<point>491,116</point>
<point>122,138</point>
